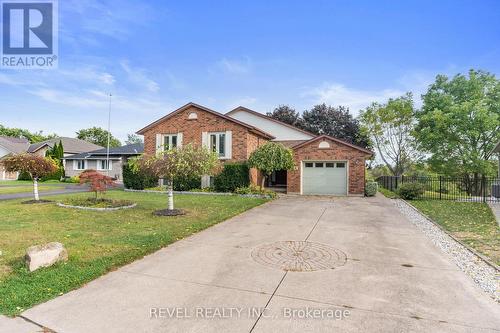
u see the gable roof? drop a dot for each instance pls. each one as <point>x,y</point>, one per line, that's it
<point>290,143</point>
<point>191,104</point>
<point>14,145</point>
<point>132,149</point>
<point>242,108</point>
<point>335,140</point>
<point>70,145</point>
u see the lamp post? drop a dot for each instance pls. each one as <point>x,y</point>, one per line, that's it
<point>109,135</point>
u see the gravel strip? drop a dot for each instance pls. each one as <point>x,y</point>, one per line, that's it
<point>485,276</point>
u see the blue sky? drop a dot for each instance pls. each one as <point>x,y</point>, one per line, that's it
<point>155,56</point>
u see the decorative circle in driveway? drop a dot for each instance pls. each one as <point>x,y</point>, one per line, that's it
<point>299,256</point>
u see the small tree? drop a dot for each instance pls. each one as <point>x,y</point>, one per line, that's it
<point>57,154</point>
<point>36,166</point>
<point>271,157</point>
<point>391,126</point>
<point>98,182</point>
<point>188,161</point>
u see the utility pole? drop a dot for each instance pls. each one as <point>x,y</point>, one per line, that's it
<point>109,135</point>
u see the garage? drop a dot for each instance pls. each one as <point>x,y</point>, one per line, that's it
<point>324,177</point>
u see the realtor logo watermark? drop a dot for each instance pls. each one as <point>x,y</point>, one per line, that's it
<point>29,34</point>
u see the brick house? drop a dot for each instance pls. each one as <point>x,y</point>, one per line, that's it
<point>323,164</point>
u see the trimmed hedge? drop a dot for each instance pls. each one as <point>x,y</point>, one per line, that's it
<point>233,176</point>
<point>187,184</point>
<point>135,180</point>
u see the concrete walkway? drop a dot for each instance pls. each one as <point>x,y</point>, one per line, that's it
<point>394,279</point>
<point>495,208</point>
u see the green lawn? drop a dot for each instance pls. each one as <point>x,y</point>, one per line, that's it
<point>97,242</point>
<point>472,223</point>
<point>387,193</point>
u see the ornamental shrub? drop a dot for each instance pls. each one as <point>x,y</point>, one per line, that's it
<point>137,180</point>
<point>233,175</point>
<point>186,183</point>
<point>410,191</point>
<point>371,189</point>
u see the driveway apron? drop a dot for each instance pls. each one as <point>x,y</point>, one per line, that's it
<point>356,265</point>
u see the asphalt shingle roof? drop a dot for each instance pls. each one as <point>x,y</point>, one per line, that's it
<point>132,149</point>
<point>70,145</point>
<point>14,145</point>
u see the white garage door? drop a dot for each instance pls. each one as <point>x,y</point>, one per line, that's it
<point>324,177</point>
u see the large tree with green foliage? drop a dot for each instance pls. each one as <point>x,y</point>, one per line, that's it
<point>271,157</point>
<point>334,121</point>
<point>286,114</point>
<point>98,136</point>
<point>391,126</point>
<point>459,123</point>
<point>181,162</point>
<point>32,137</point>
<point>325,119</point>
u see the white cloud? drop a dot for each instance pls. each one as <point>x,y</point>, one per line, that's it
<point>244,101</point>
<point>112,18</point>
<point>355,99</point>
<point>139,77</point>
<point>233,66</point>
<point>107,78</point>
<point>97,101</point>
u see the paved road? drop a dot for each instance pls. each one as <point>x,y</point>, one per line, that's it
<point>63,190</point>
<point>394,279</point>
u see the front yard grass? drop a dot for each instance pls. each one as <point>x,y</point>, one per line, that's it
<point>97,242</point>
<point>387,193</point>
<point>472,223</point>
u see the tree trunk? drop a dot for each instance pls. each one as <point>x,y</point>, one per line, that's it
<point>170,195</point>
<point>35,189</point>
<point>263,181</point>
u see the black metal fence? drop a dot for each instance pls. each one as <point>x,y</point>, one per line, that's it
<point>474,189</point>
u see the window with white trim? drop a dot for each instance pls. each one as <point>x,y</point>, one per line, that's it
<point>80,165</point>
<point>217,143</point>
<point>101,165</point>
<point>169,141</point>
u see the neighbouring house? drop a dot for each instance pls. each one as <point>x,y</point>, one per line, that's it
<point>97,160</point>
<point>323,164</point>
<point>10,145</point>
<point>70,146</point>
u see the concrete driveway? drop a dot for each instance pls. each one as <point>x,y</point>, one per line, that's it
<point>393,279</point>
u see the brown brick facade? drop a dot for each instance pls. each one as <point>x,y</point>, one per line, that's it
<point>245,140</point>
<point>192,130</point>
<point>338,152</point>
